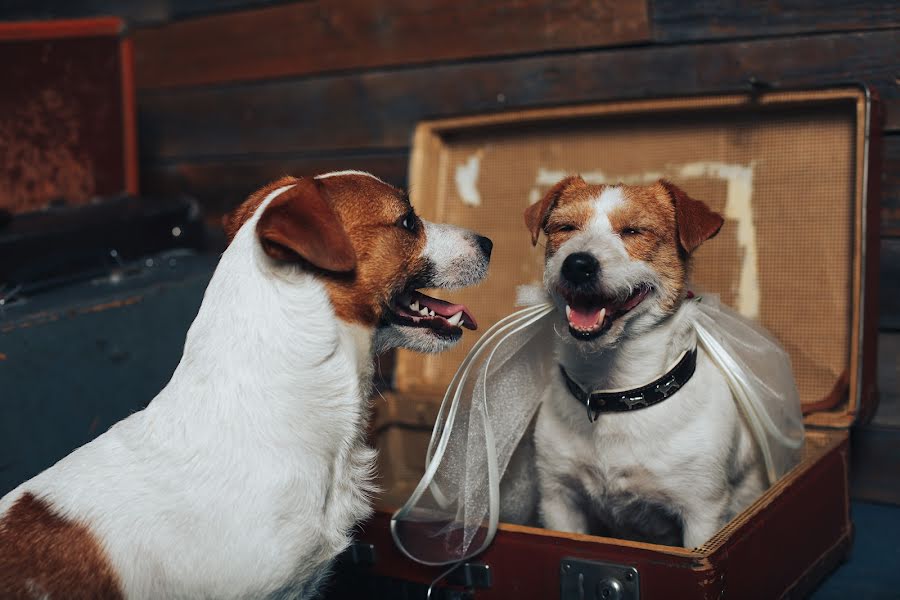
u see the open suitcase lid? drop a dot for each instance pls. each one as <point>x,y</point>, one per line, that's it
<point>790,171</point>
<point>67,124</point>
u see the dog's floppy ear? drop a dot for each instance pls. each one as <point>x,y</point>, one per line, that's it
<point>536,214</point>
<point>300,225</point>
<point>696,223</point>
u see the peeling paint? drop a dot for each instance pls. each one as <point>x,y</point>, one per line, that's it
<point>548,177</point>
<point>467,180</point>
<point>738,207</point>
<point>48,316</point>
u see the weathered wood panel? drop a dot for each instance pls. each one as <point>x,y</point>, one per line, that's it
<point>333,35</point>
<point>680,20</point>
<point>875,462</point>
<point>135,12</point>
<point>380,109</point>
<point>890,284</point>
<point>888,413</point>
<point>220,186</point>
<point>890,187</point>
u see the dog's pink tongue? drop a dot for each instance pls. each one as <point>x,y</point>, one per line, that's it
<point>584,317</point>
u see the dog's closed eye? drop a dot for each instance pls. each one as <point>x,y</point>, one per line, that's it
<point>562,227</point>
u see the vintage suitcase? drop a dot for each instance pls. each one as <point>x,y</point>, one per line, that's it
<point>67,113</point>
<point>76,359</point>
<point>57,245</point>
<point>795,173</point>
<point>97,286</point>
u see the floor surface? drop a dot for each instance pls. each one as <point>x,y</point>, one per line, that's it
<point>873,569</point>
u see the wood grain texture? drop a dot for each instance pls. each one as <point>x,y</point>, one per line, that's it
<point>380,109</point>
<point>135,12</point>
<point>219,186</point>
<point>218,183</point>
<point>888,413</point>
<point>889,293</point>
<point>679,20</point>
<point>60,29</point>
<point>333,35</point>
<point>890,187</point>
<point>875,454</point>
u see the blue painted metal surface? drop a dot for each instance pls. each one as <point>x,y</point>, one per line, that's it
<point>78,359</point>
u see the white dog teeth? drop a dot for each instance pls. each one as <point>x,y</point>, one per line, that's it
<point>455,319</point>
<point>430,313</point>
<point>568,311</point>
<point>423,312</point>
<point>414,306</point>
<point>601,316</point>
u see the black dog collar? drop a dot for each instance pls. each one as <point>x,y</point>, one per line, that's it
<point>637,398</point>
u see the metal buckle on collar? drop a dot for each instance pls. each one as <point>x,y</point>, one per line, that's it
<point>601,401</point>
<point>587,402</point>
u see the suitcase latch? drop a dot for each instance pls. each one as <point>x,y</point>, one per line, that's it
<point>591,580</point>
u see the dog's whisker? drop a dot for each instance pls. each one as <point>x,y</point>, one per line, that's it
<point>382,380</point>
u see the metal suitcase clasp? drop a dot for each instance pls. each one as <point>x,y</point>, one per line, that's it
<point>591,580</point>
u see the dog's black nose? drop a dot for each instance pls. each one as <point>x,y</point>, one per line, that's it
<point>580,267</point>
<point>485,244</point>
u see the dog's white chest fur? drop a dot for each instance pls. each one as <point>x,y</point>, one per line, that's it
<point>686,463</point>
<point>245,474</point>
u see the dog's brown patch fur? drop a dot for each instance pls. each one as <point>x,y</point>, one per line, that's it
<point>648,223</point>
<point>572,213</point>
<point>387,255</point>
<point>43,555</point>
<point>537,215</point>
<point>233,221</point>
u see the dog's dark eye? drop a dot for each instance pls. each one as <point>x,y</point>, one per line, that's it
<point>628,231</point>
<point>409,221</point>
<point>564,228</point>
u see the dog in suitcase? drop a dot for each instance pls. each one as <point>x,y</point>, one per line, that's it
<point>245,475</point>
<point>662,453</point>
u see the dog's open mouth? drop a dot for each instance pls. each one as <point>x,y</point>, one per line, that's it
<point>591,316</point>
<point>446,319</point>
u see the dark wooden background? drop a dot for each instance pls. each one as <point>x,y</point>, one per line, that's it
<point>232,93</point>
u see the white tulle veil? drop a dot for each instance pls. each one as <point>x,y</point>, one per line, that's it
<point>453,513</point>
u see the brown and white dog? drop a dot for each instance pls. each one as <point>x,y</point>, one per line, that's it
<point>244,476</point>
<point>617,259</point>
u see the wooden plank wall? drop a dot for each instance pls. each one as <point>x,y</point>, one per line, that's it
<point>235,92</point>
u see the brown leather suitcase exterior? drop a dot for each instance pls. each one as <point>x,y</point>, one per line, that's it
<point>800,529</point>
